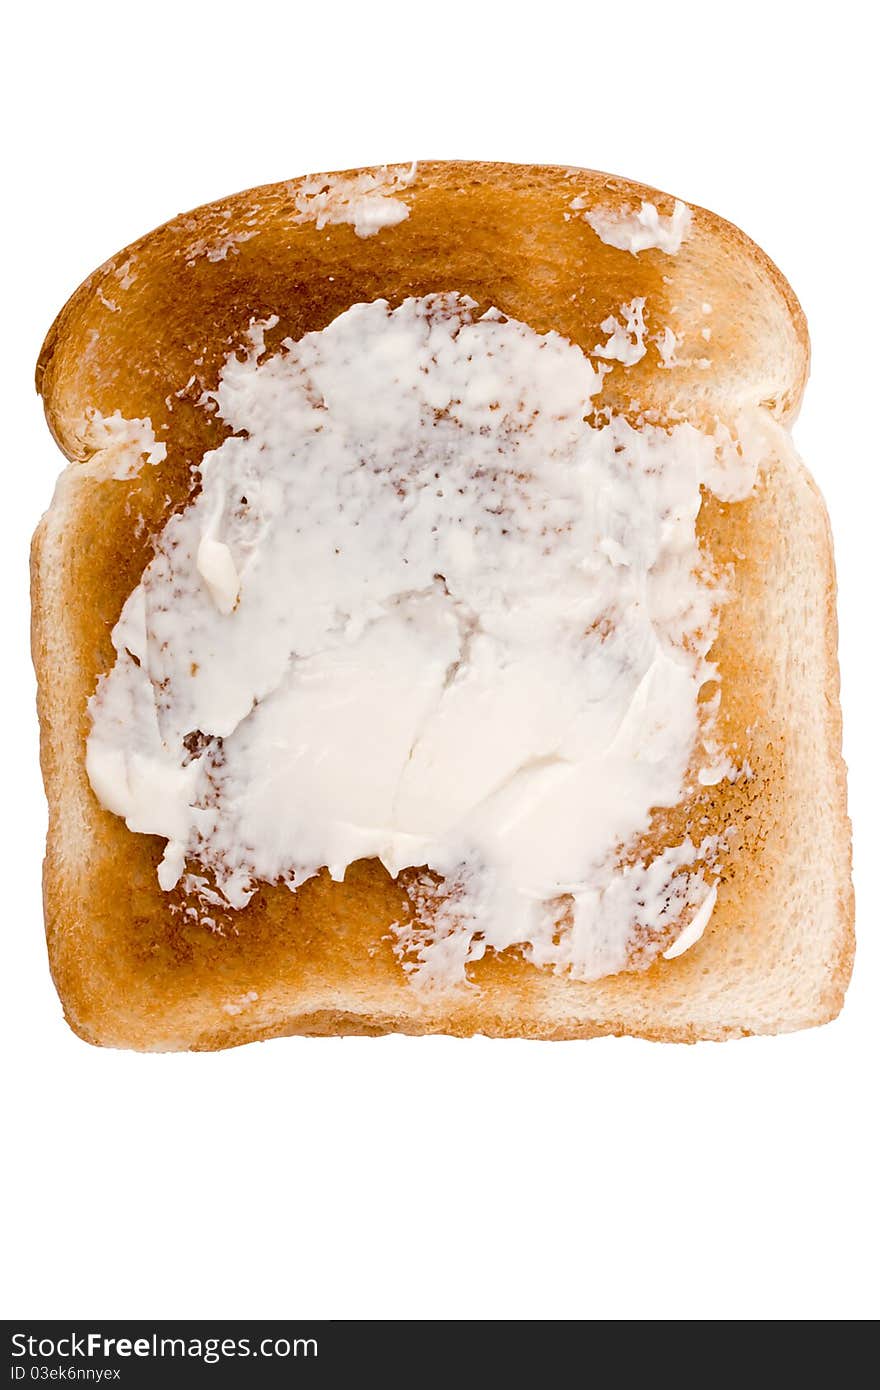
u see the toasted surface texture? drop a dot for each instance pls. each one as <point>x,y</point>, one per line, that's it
<point>148,333</point>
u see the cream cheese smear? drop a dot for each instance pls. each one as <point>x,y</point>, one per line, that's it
<point>422,610</point>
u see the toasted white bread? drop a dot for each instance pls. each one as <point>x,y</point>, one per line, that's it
<point>147,334</point>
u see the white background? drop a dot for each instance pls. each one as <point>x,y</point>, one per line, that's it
<point>441,1178</point>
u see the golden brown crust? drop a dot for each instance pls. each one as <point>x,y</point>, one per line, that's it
<point>833,996</point>
<point>147,333</point>
<point>162,307</point>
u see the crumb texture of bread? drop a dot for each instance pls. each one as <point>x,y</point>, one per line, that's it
<point>147,335</point>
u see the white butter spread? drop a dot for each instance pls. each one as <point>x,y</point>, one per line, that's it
<point>366,201</point>
<point>638,231</point>
<point>215,564</point>
<point>124,444</point>
<point>627,341</point>
<point>668,343</point>
<point>218,248</point>
<point>422,610</point>
<point>695,927</point>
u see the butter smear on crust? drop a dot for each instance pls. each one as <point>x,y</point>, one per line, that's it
<point>641,230</point>
<point>367,201</point>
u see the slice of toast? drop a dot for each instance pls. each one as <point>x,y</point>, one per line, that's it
<point>147,335</point>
